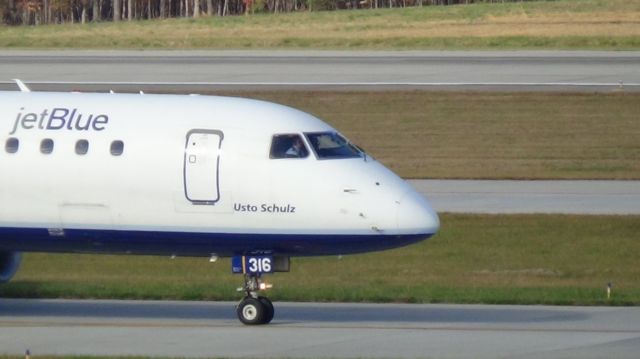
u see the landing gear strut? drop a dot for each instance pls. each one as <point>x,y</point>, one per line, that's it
<point>254,309</point>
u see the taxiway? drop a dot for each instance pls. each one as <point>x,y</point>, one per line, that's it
<point>194,71</point>
<point>562,197</point>
<point>313,330</point>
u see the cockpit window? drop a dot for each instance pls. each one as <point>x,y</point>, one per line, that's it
<point>288,146</point>
<point>330,145</point>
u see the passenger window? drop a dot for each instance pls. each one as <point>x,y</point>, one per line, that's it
<point>288,146</point>
<point>82,147</point>
<point>117,148</point>
<point>12,145</point>
<point>46,146</point>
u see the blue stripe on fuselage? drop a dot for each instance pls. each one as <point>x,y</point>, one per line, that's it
<point>195,244</point>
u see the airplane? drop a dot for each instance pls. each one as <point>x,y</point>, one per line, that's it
<point>190,175</point>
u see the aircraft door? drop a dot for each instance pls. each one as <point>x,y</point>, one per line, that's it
<point>202,166</point>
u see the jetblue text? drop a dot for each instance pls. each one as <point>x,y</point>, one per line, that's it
<point>59,118</point>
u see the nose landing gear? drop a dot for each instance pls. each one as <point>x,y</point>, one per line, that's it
<point>254,309</point>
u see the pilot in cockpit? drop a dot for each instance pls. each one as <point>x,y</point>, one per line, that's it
<point>297,149</point>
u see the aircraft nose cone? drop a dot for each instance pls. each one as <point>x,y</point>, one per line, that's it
<point>415,215</point>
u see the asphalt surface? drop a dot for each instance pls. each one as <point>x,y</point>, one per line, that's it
<point>210,70</point>
<point>313,330</point>
<point>566,197</point>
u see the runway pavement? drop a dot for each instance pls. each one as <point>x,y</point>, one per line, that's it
<point>566,197</point>
<point>313,330</point>
<point>194,71</point>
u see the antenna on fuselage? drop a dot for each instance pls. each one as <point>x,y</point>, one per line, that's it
<point>22,86</point>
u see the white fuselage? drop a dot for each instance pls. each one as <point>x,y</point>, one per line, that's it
<point>190,166</point>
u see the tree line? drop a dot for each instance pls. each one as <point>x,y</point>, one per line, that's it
<point>36,12</point>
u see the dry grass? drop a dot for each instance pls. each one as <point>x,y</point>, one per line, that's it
<point>485,135</point>
<point>612,24</point>
<point>555,25</point>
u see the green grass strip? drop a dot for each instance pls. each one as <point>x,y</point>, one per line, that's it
<point>505,259</point>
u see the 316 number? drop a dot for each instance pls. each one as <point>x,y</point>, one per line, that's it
<point>259,265</point>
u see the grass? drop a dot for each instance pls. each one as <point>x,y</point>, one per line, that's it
<point>485,135</point>
<point>520,259</point>
<point>562,24</point>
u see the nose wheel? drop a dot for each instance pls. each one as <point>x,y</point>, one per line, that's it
<point>254,309</point>
<point>269,309</point>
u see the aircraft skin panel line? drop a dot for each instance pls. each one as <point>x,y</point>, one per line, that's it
<point>193,176</point>
<point>202,166</point>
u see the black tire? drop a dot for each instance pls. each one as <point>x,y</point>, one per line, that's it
<point>269,312</point>
<point>251,311</point>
